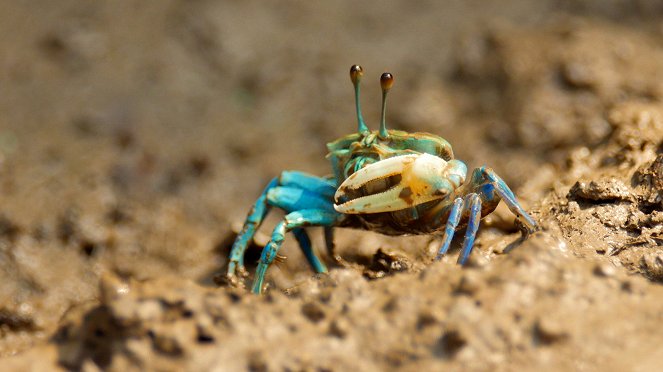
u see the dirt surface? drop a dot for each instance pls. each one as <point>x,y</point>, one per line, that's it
<point>134,137</point>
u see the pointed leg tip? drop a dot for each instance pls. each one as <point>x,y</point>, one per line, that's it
<point>257,287</point>
<point>229,280</point>
<point>242,272</point>
<point>528,226</point>
<point>441,253</point>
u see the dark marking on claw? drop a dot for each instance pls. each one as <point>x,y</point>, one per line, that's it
<point>406,194</point>
<point>380,185</point>
<point>370,188</point>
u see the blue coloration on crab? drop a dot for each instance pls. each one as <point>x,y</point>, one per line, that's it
<point>307,200</point>
<point>387,181</point>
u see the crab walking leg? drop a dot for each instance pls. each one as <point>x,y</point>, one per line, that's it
<point>450,228</point>
<point>293,220</point>
<point>509,198</point>
<point>305,244</point>
<point>322,188</point>
<point>292,199</point>
<point>331,247</point>
<point>474,208</point>
<point>253,221</point>
<point>329,243</point>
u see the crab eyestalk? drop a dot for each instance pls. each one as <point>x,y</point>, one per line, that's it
<point>356,72</point>
<point>386,82</point>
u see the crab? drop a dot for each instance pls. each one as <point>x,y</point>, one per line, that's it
<point>388,181</point>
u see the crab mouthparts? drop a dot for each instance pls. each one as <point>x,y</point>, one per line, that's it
<point>393,184</point>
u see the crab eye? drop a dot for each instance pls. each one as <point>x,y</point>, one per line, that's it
<point>386,81</point>
<point>356,72</point>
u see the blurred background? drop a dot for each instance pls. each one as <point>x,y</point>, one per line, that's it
<point>135,135</point>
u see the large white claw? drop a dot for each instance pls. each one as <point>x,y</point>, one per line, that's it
<point>398,183</point>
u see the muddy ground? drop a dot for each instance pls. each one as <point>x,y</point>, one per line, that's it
<point>135,135</point>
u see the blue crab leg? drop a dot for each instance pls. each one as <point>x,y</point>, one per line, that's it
<point>292,199</point>
<point>321,186</point>
<point>509,198</point>
<point>484,188</point>
<point>473,221</point>
<point>293,220</point>
<point>305,243</point>
<point>450,228</point>
<point>317,189</point>
<point>253,221</point>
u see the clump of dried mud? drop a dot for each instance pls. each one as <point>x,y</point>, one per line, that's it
<point>124,177</point>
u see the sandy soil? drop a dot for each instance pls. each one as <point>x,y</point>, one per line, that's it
<point>134,136</point>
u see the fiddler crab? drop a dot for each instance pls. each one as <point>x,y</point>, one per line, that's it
<point>387,181</point>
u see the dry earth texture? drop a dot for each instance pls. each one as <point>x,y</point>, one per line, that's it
<point>134,137</point>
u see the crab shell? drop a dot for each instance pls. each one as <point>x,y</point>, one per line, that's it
<point>350,153</point>
<point>385,184</point>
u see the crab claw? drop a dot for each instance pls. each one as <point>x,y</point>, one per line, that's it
<point>399,183</point>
